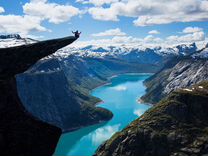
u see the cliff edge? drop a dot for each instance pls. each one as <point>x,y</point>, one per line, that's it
<point>21,133</point>
<point>177,126</point>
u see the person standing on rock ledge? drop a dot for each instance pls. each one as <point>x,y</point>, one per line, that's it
<point>76,33</point>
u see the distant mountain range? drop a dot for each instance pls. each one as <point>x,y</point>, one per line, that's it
<point>13,40</point>
<point>128,52</point>
<point>137,53</point>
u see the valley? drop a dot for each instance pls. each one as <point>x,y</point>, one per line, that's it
<point>177,125</point>
<point>56,90</point>
<point>103,78</point>
<point>120,97</point>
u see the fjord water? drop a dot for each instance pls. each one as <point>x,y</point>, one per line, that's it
<point>120,97</point>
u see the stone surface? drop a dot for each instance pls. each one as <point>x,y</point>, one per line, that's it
<point>177,126</point>
<point>177,73</point>
<point>20,132</point>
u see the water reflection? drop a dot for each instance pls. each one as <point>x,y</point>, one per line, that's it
<point>120,88</point>
<point>139,112</point>
<point>71,139</point>
<point>104,133</point>
<point>120,97</point>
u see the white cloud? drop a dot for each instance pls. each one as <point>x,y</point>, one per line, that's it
<point>110,32</point>
<point>100,13</point>
<point>97,2</point>
<point>102,134</point>
<point>52,12</point>
<point>36,11</point>
<point>189,30</point>
<point>1,9</point>
<point>139,112</point>
<point>120,88</point>
<point>188,38</point>
<point>36,1</point>
<point>153,12</point>
<point>153,32</point>
<point>149,41</point>
<point>117,40</point>
<point>20,24</point>
<point>192,34</point>
<point>152,39</point>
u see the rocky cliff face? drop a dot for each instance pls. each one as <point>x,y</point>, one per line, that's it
<point>180,72</point>
<point>20,132</point>
<point>67,83</point>
<point>177,126</point>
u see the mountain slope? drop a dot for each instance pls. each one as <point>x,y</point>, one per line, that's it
<point>67,83</point>
<point>77,71</point>
<point>67,105</point>
<point>20,132</point>
<point>177,126</point>
<point>130,53</point>
<point>179,72</point>
<point>138,51</point>
<point>13,40</point>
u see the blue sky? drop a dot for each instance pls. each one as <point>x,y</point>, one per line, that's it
<point>125,20</point>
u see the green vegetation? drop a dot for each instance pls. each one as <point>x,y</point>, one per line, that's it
<point>178,125</point>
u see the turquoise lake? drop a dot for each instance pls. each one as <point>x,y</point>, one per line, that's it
<point>120,96</point>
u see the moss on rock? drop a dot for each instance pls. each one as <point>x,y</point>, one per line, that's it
<point>178,125</point>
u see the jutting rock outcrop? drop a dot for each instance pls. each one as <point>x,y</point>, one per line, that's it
<point>20,132</point>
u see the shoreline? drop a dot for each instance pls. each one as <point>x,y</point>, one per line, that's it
<point>126,73</point>
<point>98,94</point>
<point>80,127</point>
<point>101,101</point>
<point>116,75</point>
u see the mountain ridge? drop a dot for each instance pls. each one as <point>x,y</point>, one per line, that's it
<point>179,72</point>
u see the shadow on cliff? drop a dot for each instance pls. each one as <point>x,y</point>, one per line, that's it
<point>21,133</point>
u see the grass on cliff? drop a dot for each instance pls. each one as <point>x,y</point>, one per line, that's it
<point>158,118</point>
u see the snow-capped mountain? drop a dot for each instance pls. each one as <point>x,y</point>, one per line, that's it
<point>17,36</point>
<point>201,54</point>
<point>181,72</point>
<point>13,40</point>
<point>186,50</point>
<point>127,51</point>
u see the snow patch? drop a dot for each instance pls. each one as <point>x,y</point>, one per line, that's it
<point>189,90</point>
